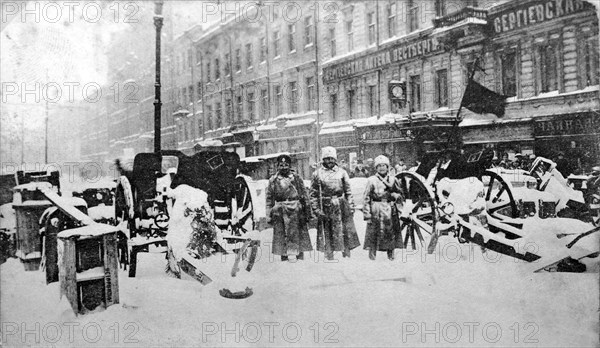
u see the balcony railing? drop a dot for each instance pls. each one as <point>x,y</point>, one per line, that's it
<point>464,13</point>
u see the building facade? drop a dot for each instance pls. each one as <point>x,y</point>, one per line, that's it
<point>292,78</point>
<point>543,55</point>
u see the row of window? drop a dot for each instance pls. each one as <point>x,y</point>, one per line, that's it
<point>371,100</point>
<point>289,95</point>
<point>549,70</point>
<point>213,67</point>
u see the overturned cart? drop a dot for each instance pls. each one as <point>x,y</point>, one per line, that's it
<point>204,191</point>
<point>530,215</point>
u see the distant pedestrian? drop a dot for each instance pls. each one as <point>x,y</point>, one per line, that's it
<point>289,211</point>
<point>505,162</point>
<point>401,166</point>
<point>518,162</point>
<point>379,211</point>
<point>359,171</point>
<point>563,165</point>
<point>344,165</point>
<point>332,202</point>
<point>370,167</point>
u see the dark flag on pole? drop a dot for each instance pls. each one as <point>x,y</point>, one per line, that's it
<point>481,100</point>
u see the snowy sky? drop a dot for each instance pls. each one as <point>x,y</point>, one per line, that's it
<point>64,43</point>
<point>45,42</point>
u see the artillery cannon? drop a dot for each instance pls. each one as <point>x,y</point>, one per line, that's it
<point>143,205</point>
<point>501,210</point>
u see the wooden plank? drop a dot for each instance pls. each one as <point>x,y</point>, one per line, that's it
<point>551,260</point>
<point>187,265</point>
<point>66,207</point>
<point>111,269</point>
<point>67,274</point>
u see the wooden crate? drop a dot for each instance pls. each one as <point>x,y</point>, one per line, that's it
<point>29,241</point>
<point>88,267</point>
<point>54,221</point>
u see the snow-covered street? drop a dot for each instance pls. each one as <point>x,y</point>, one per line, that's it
<point>458,296</point>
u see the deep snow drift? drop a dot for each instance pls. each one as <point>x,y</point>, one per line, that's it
<point>458,296</point>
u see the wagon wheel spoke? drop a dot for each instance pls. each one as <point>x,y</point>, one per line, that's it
<point>399,230</point>
<point>418,205</point>
<point>407,235</point>
<point>418,230</point>
<point>503,196</point>
<point>500,192</point>
<point>423,225</point>
<point>499,207</point>
<point>433,243</point>
<point>412,238</point>
<point>489,191</point>
<point>403,186</point>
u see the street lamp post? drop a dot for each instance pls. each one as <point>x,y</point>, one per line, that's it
<point>158,23</point>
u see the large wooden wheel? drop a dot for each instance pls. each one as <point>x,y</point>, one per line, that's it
<point>234,214</point>
<point>499,197</point>
<point>417,215</point>
<point>594,208</point>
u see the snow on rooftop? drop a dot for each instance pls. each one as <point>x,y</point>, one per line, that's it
<point>486,119</point>
<point>385,119</point>
<point>332,130</point>
<point>301,122</point>
<point>470,20</point>
<point>266,127</point>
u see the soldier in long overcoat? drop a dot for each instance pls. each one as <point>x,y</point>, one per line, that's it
<point>289,211</point>
<point>332,201</point>
<point>379,210</point>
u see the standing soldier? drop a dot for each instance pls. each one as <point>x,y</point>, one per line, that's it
<point>288,210</point>
<point>379,198</point>
<point>331,199</point>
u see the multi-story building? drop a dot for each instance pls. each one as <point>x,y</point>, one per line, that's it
<point>258,80</point>
<point>525,50</point>
<point>186,88</point>
<point>255,82</point>
<point>543,55</point>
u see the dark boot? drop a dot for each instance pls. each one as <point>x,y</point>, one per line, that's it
<point>329,255</point>
<point>300,256</point>
<point>372,254</point>
<point>346,253</point>
<point>390,255</point>
<point>284,257</point>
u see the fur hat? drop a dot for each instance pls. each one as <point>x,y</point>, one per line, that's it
<point>381,159</point>
<point>328,152</point>
<point>284,159</point>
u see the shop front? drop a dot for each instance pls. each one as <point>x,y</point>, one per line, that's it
<point>293,137</point>
<point>504,136</point>
<point>575,135</point>
<point>404,140</point>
